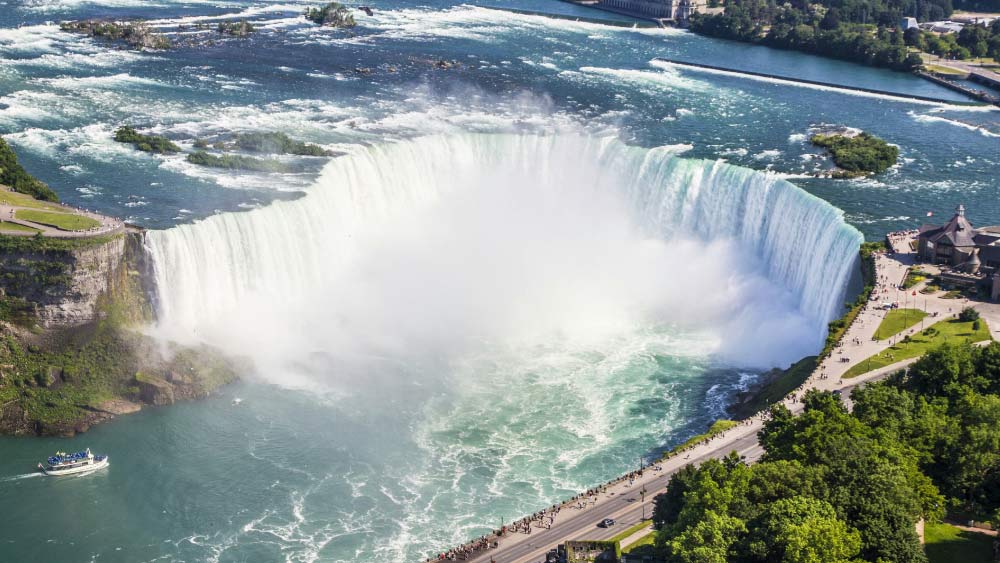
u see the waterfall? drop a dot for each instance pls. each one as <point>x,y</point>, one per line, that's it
<point>267,259</point>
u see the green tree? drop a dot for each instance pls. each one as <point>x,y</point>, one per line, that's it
<point>667,505</point>
<point>831,20</point>
<point>13,175</point>
<point>709,540</point>
<point>802,530</point>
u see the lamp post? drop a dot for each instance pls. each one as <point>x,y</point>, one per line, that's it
<point>643,493</point>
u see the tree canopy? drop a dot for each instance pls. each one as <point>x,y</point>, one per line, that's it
<point>835,486</point>
<point>13,175</point>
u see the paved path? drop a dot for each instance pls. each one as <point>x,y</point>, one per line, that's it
<point>621,500</point>
<point>108,225</point>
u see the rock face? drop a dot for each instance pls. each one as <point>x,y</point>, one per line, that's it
<point>70,354</point>
<point>153,390</point>
<point>63,286</point>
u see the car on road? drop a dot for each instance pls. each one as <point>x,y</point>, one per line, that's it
<point>607,523</point>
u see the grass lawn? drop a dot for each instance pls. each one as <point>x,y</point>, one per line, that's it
<point>718,427</point>
<point>913,277</point>
<point>646,540</point>
<point>948,544</point>
<point>8,197</point>
<point>944,70</point>
<point>898,320</point>
<point>932,337</point>
<point>8,226</point>
<point>629,531</point>
<point>64,221</point>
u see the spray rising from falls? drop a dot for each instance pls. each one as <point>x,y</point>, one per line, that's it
<point>442,245</point>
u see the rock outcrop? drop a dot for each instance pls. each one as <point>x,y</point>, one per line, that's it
<point>63,284</point>
<point>134,33</point>
<point>333,14</point>
<point>70,354</point>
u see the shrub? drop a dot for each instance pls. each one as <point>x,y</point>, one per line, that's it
<point>145,143</point>
<point>235,162</point>
<point>333,14</point>
<point>860,154</point>
<point>278,143</point>
<point>968,314</point>
<point>12,174</point>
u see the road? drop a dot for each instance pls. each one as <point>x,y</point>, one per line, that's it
<point>623,503</point>
<point>621,499</point>
<point>624,506</point>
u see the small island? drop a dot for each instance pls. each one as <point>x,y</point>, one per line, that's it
<point>333,14</point>
<point>237,162</point>
<point>277,143</point>
<point>135,33</point>
<point>857,154</point>
<point>240,28</point>
<point>146,143</point>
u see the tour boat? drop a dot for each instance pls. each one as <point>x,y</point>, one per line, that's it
<point>73,464</point>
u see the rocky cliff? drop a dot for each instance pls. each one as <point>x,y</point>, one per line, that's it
<point>61,282</point>
<point>71,352</point>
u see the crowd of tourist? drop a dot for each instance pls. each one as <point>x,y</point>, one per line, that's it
<point>546,518</point>
<point>897,238</point>
<point>543,519</point>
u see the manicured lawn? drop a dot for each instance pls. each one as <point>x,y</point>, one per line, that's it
<point>948,544</point>
<point>8,197</point>
<point>64,221</point>
<point>944,69</point>
<point>933,336</point>
<point>8,226</point>
<point>629,531</point>
<point>646,540</point>
<point>898,320</point>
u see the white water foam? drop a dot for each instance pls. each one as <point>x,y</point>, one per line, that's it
<point>664,79</point>
<point>924,118</point>
<point>735,73</point>
<point>428,292</point>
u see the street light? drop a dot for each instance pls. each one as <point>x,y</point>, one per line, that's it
<point>643,493</point>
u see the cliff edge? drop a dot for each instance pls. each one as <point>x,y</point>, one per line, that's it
<point>71,348</point>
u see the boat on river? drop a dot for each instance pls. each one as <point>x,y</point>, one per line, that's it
<point>73,464</point>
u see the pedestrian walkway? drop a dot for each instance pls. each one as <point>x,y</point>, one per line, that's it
<point>8,214</point>
<point>622,499</point>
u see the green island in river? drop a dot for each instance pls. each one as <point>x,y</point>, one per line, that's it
<point>857,155</point>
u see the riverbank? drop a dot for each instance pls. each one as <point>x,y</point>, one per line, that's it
<point>72,350</point>
<point>628,499</point>
<point>73,302</point>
